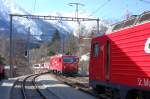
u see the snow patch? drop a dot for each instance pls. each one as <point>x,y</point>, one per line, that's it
<point>85,57</point>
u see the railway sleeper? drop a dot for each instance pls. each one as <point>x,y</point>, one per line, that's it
<point>106,92</point>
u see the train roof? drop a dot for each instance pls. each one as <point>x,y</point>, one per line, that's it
<point>131,21</point>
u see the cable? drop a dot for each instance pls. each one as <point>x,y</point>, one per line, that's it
<point>146,1</point>
<point>100,7</point>
<point>34,5</point>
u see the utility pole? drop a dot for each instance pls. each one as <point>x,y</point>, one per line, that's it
<point>28,43</point>
<point>79,29</point>
<point>76,16</point>
<point>77,8</point>
<point>98,26</point>
<point>11,47</point>
<point>34,5</point>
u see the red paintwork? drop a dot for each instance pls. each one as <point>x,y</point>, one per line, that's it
<point>129,63</point>
<point>1,68</point>
<point>57,63</point>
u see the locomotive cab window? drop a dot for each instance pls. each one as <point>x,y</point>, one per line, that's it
<point>96,50</point>
<point>75,59</point>
<point>68,60</point>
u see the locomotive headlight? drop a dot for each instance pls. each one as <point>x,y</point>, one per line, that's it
<point>64,66</point>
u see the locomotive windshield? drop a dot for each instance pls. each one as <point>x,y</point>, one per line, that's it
<point>70,60</point>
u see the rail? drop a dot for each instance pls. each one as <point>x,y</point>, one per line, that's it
<point>34,84</point>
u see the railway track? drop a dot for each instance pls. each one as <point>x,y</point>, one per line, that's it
<point>84,87</point>
<point>26,88</point>
<point>37,93</point>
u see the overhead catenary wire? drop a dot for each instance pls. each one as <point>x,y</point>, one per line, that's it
<point>100,7</point>
<point>146,1</point>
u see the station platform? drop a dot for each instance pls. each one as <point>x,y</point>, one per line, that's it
<point>6,87</point>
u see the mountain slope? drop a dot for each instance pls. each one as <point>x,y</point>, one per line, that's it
<point>38,28</point>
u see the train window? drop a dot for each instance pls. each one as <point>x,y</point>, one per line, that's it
<point>68,60</point>
<point>96,50</point>
<point>144,17</point>
<point>36,65</point>
<point>75,59</point>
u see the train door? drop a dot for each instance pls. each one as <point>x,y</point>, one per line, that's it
<point>98,56</point>
<point>107,65</point>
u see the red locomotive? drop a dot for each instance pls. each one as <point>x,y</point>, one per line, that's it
<point>65,64</point>
<point>120,61</point>
<point>1,71</point>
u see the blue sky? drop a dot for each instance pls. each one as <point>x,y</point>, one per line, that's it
<point>112,9</point>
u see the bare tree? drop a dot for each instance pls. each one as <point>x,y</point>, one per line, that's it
<point>20,61</point>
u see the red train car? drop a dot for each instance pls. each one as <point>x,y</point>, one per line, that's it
<point>120,61</point>
<point>65,64</point>
<point>1,71</point>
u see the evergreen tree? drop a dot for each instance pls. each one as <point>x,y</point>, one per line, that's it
<point>55,44</point>
<point>56,36</point>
